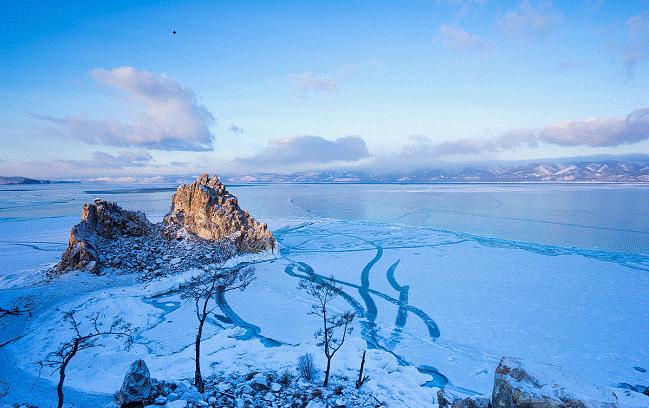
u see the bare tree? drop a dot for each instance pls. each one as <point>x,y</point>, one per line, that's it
<point>83,339</point>
<point>202,290</point>
<point>361,377</point>
<point>324,293</point>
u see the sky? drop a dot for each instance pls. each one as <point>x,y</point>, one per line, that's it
<point>105,88</point>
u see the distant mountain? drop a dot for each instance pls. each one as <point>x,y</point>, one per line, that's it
<point>21,180</point>
<point>26,180</point>
<point>608,171</point>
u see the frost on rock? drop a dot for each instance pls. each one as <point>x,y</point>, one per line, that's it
<point>205,226</point>
<point>206,209</point>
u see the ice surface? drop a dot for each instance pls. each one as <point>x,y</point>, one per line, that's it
<point>435,307</point>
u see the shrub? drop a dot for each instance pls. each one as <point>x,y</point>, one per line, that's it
<point>286,379</point>
<point>305,367</point>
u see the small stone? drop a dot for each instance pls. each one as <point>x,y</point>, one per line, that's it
<point>274,387</point>
<point>177,404</point>
<point>161,400</point>
<point>340,402</point>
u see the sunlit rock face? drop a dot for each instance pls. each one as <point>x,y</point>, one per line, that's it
<point>100,220</point>
<point>206,209</point>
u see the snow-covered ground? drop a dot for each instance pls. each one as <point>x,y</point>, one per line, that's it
<point>436,308</point>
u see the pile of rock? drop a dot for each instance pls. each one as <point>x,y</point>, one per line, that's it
<point>254,389</point>
<point>205,226</point>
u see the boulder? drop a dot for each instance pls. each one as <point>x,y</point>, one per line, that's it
<point>206,209</point>
<point>136,388</point>
<point>536,385</point>
<point>472,402</point>
<point>445,399</point>
<point>100,220</point>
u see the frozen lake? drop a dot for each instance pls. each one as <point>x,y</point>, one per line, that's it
<point>446,278</point>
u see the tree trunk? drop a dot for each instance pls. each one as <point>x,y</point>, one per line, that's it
<point>198,378</point>
<point>326,380</point>
<point>66,360</point>
<point>361,378</point>
<point>59,388</point>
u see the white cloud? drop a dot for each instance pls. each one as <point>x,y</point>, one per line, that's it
<point>599,132</point>
<point>454,38</point>
<point>636,49</point>
<point>103,160</point>
<point>166,115</point>
<point>309,149</point>
<point>306,81</point>
<point>535,20</point>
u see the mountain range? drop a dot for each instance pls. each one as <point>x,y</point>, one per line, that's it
<point>595,171</point>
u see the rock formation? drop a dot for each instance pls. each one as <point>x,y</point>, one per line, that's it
<point>206,209</point>
<point>203,213</point>
<point>101,220</point>
<point>545,386</point>
<point>136,388</point>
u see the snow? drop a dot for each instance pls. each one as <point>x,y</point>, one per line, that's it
<point>435,308</point>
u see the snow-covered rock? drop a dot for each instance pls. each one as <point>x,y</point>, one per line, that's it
<point>137,384</point>
<point>545,386</point>
<point>177,404</point>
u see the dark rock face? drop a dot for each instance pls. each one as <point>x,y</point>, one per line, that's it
<point>545,386</point>
<point>206,209</point>
<point>101,220</point>
<point>136,387</point>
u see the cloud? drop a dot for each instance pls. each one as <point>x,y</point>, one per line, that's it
<point>309,149</point>
<point>454,38</point>
<point>531,20</point>
<point>636,49</point>
<point>236,129</point>
<point>308,82</point>
<point>599,132</point>
<point>422,147</point>
<point>637,26</point>
<point>167,115</point>
<point>103,160</point>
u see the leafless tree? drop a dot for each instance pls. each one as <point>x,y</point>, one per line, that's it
<point>202,290</point>
<point>324,292</point>
<point>361,377</point>
<point>83,339</point>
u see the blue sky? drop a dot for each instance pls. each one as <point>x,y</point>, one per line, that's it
<point>105,88</point>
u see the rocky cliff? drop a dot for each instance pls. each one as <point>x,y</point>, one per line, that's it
<point>206,209</point>
<point>203,214</point>
<point>99,221</point>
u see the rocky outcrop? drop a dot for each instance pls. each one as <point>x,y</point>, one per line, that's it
<point>100,220</point>
<point>136,388</point>
<point>545,386</point>
<point>204,213</point>
<point>206,209</point>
